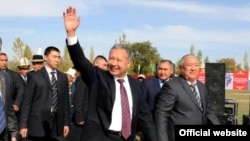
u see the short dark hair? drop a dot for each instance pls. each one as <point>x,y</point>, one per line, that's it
<point>49,49</point>
<point>99,57</point>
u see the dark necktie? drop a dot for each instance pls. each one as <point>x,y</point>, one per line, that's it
<point>2,116</point>
<point>54,92</point>
<point>126,121</point>
<point>197,96</point>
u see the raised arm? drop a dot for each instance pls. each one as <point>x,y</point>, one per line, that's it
<point>71,21</point>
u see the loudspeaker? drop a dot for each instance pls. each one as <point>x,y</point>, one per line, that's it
<point>246,120</point>
<point>215,83</point>
<point>227,119</point>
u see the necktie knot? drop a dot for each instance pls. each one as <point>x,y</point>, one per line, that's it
<point>120,81</point>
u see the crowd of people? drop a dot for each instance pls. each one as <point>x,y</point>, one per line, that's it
<point>98,101</point>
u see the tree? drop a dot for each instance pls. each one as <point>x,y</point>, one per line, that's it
<point>229,62</point>
<point>192,49</point>
<point>199,56</point>
<point>91,55</point>
<point>66,62</point>
<point>144,57</point>
<point>246,67</point>
<point>27,52</point>
<point>122,39</point>
<point>18,48</point>
<point>206,60</point>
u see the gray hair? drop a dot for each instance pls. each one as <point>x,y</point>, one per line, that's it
<point>183,58</point>
<point>125,47</point>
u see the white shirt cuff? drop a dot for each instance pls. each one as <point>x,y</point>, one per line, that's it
<point>72,40</point>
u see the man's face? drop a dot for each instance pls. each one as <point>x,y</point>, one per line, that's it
<point>118,62</point>
<point>53,59</point>
<point>3,62</point>
<point>190,68</point>
<point>164,70</point>
<point>101,63</point>
<point>23,71</point>
<point>37,66</point>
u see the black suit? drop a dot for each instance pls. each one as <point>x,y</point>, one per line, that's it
<point>101,101</point>
<point>36,108</point>
<point>17,87</point>
<point>80,106</point>
<point>177,105</point>
<point>11,120</point>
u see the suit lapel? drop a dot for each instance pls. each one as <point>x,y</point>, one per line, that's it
<point>45,75</point>
<point>134,95</point>
<point>59,81</point>
<point>202,94</point>
<point>157,86</point>
<point>188,90</point>
<point>111,85</point>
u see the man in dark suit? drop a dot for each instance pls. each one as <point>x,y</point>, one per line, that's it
<point>117,104</point>
<point>80,101</point>
<point>8,132</point>
<point>45,108</point>
<point>152,85</point>
<point>16,83</point>
<point>183,101</point>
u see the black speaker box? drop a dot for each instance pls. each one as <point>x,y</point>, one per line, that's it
<point>246,120</point>
<point>215,83</point>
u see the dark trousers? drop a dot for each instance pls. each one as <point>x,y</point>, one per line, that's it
<point>4,136</point>
<point>52,134</point>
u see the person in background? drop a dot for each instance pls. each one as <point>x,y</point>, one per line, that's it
<point>183,101</point>
<point>16,83</point>
<point>105,121</point>
<point>80,101</point>
<point>45,108</point>
<point>23,68</point>
<point>8,119</point>
<point>141,77</point>
<point>101,62</point>
<point>152,85</point>
<point>37,62</point>
<point>71,74</point>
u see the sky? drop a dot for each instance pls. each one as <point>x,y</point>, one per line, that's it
<point>218,28</point>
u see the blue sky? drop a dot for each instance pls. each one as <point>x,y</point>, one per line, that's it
<point>220,29</point>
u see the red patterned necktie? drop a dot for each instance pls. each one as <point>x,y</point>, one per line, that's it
<point>126,121</point>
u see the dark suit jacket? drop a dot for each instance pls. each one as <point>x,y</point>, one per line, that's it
<point>151,87</point>
<point>80,100</point>
<point>176,105</point>
<point>17,87</point>
<point>12,125</point>
<point>102,85</point>
<point>36,107</point>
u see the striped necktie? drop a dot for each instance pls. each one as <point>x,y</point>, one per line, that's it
<point>196,94</point>
<point>2,116</point>
<point>54,92</point>
<point>126,121</point>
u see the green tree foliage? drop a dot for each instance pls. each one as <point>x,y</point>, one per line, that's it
<point>192,49</point>
<point>28,52</point>
<point>229,62</point>
<point>18,49</point>
<point>66,62</point>
<point>144,56</point>
<point>246,66</point>
<point>206,60</point>
<point>199,56</point>
<point>91,55</point>
<point>122,39</point>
